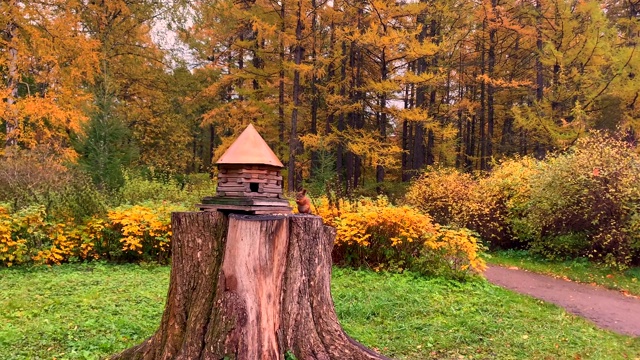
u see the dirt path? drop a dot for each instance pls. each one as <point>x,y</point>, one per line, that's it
<point>607,308</point>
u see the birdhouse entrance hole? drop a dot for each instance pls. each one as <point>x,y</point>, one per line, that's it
<point>253,187</point>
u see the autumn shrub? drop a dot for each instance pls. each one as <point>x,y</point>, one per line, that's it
<point>444,194</point>
<point>492,204</point>
<point>143,231</point>
<point>188,190</point>
<point>499,201</point>
<point>12,250</point>
<point>585,202</point>
<point>27,235</point>
<point>39,177</point>
<point>373,233</point>
<point>451,253</point>
<point>29,177</point>
<point>126,233</point>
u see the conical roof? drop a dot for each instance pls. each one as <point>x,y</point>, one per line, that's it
<point>249,148</point>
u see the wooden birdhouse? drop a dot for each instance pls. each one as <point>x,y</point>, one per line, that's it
<point>249,178</point>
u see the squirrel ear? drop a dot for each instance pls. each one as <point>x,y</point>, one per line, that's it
<point>304,191</point>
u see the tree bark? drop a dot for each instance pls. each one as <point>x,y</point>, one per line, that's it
<point>249,287</point>
<point>281,47</point>
<point>491,89</point>
<point>11,122</point>
<point>483,104</point>
<point>293,136</point>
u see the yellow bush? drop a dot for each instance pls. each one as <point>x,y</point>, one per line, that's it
<point>71,240</point>
<point>374,233</point>
<point>135,232</point>
<point>444,194</point>
<point>459,248</point>
<point>490,206</point>
<point>499,201</point>
<point>12,251</point>
<point>90,237</point>
<point>144,228</point>
<point>63,245</point>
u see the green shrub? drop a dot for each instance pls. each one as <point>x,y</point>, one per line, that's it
<point>590,192</point>
<point>38,177</point>
<point>583,202</point>
<point>499,202</point>
<point>561,247</point>
<point>187,190</point>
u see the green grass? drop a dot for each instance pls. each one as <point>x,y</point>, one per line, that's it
<point>91,310</point>
<point>78,311</point>
<point>579,270</point>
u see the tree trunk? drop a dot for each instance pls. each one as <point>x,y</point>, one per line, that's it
<point>539,43</point>
<point>382,115</point>
<point>249,287</point>
<point>281,105</point>
<point>293,135</point>
<point>482,144</point>
<point>11,121</point>
<point>491,89</point>
<point>340,151</point>
<point>313,89</point>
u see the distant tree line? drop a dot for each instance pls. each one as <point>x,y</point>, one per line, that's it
<point>368,92</point>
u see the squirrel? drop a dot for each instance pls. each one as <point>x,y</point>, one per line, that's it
<point>304,204</point>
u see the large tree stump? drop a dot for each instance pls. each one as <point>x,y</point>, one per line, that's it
<point>249,287</point>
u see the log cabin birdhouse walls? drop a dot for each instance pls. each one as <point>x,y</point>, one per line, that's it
<point>249,179</point>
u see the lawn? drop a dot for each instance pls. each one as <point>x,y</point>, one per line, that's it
<point>580,270</point>
<point>91,310</point>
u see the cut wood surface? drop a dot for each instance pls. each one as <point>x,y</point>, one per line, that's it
<point>250,287</point>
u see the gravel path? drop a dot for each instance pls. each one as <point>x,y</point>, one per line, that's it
<point>606,308</point>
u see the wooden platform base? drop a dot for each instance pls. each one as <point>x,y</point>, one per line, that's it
<point>256,206</point>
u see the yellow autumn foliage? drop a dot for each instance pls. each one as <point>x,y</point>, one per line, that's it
<point>443,193</point>
<point>490,205</point>
<point>129,233</point>
<point>369,232</point>
<point>374,233</point>
<point>12,251</point>
<point>143,227</point>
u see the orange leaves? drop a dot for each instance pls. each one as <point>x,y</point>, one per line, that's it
<point>52,62</point>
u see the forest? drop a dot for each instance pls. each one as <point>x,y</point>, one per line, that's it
<point>434,136</point>
<point>366,92</point>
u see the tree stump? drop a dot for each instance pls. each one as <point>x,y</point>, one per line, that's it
<point>249,287</point>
